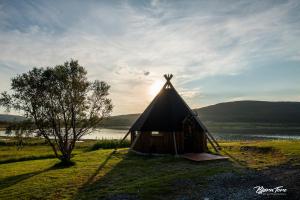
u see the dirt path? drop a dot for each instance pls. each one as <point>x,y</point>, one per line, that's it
<point>241,186</point>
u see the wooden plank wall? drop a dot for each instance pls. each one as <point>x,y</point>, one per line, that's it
<point>160,144</point>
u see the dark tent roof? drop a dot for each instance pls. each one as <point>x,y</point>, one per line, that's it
<point>166,112</point>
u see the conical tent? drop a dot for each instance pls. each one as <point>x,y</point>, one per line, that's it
<point>168,125</point>
<point>165,113</point>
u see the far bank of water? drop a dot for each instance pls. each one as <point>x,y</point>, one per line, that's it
<point>119,134</point>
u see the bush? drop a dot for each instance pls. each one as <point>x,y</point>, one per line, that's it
<point>110,144</point>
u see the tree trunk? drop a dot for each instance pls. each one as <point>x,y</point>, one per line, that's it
<point>65,159</point>
<point>66,155</point>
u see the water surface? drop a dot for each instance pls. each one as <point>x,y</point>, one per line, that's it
<point>118,134</point>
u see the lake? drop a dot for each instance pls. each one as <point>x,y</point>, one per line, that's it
<point>118,134</point>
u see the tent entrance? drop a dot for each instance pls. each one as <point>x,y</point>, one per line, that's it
<point>188,140</point>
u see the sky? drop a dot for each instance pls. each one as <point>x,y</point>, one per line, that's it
<point>218,51</point>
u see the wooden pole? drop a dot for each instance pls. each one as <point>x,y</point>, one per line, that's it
<point>212,144</point>
<point>122,140</point>
<point>175,145</point>
<point>213,139</point>
<point>135,140</point>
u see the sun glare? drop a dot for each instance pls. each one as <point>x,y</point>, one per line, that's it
<point>155,87</point>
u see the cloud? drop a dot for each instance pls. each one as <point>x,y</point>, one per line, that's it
<point>121,42</point>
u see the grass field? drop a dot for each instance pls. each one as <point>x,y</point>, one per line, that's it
<point>30,173</point>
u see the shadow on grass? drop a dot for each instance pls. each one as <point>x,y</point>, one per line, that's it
<point>147,177</point>
<point>89,181</point>
<point>63,165</point>
<point>12,180</point>
<point>114,178</point>
<point>234,159</point>
<point>26,159</point>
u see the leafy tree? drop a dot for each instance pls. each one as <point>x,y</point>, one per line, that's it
<point>61,104</point>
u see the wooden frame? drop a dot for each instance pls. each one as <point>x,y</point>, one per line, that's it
<point>175,144</point>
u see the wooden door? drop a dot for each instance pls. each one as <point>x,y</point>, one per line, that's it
<point>188,139</point>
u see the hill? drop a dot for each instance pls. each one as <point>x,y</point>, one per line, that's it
<point>245,116</point>
<point>10,118</point>
<point>252,111</point>
<point>6,119</point>
<point>120,121</point>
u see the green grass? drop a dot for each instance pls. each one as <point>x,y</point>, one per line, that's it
<point>12,154</point>
<point>98,174</point>
<point>263,154</point>
<point>33,149</point>
<point>101,173</point>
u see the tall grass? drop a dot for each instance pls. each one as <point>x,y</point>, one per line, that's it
<point>109,144</point>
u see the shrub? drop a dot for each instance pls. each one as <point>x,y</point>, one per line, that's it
<point>110,144</point>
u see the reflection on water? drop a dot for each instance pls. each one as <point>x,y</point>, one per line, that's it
<point>118,134</point>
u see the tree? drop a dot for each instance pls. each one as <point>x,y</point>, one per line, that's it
<point>61,104</point>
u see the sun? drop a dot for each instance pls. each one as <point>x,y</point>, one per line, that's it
<point>155,87</point>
